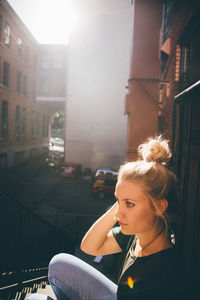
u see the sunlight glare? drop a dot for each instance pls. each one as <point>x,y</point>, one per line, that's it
<point>57,22</point>
<point>50,21</point>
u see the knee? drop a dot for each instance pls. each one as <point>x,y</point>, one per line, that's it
<point>57,263</point>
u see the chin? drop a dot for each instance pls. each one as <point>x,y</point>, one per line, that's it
<point>126,232</point>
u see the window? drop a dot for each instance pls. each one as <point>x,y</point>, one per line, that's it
<point>7,34</point>
<point>167,18</point>
<point>6,67</point>
<point>17,122</point>
<point>37,124</point>
<point>43,125</point>
<point>34,90</point>
<point>25,85</point>
<point>24,122</point>
<point>184,66</point>
<point>45,62</point>
<point>26,55</point>
<point>32,124</point>
<point>19,81</point>
<point>4,120</point>
<point>0,27</point>
<point>189,53</point>
<point>57,63</point>
<point>20,49</point>
<point>47,127</point>
<point>43,85</point>
<point>35,61</point>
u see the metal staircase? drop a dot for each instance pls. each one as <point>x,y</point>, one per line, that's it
<point>27,245</point>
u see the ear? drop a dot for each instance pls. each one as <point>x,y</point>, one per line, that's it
<point>162,205</point>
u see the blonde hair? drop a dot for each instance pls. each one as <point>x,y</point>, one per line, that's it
<point>151,172</point>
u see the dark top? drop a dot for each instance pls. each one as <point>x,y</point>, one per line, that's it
<point>156,276</point>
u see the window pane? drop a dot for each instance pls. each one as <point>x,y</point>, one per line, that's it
<point>20,48</point>
<point>37,124</point>
<point>43,126</point>
<point>24,122</point>
<point>0,27</point>
<point>45,62</point>
<point>7,33</point>
<point>26,55</point>
<point>25,86</point>
<point>19,82</point>
<point>4,120</point>
<point>17,122</point>
<point>6,67</point>
<point>47,126</point>
<point>34,90</point>
<point>43,85</point>
<point>57,63</point>
<point>32,124</point>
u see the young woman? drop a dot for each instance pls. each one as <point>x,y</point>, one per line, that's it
<point>146,204</point>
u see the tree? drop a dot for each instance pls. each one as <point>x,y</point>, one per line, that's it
<point>58,121</point>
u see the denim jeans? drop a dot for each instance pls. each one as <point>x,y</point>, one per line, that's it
<point>72,278</point>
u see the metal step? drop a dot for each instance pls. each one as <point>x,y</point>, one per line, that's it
<point>45,291</point>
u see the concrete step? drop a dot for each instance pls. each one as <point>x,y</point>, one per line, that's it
<point>45,291</point>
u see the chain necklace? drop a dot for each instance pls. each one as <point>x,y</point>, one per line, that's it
<point>131,257</point>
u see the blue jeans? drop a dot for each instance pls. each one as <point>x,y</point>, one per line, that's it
<point>72,278</point>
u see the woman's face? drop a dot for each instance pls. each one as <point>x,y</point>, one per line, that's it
<point>136,214</point>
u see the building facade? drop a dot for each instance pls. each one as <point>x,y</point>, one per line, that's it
<point>24,116</point>
<point>141,101</point>
<point>51,88</point>
<point>163,97</point>
<point>179,113</point>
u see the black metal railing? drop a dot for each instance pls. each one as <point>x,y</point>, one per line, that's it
<point>74,225</point>
<point>27,241</point>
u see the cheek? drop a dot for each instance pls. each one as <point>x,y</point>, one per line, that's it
<point>142,218</point>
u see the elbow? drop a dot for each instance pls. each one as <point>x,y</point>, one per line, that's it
<point>87,250</point>
<point>84,248</point>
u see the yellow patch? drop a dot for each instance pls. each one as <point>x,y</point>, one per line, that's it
<point>130,282</point>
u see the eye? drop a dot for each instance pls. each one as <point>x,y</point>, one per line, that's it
<point>129,204</point>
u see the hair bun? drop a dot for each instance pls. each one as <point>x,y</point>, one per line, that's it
<point>155,149</point>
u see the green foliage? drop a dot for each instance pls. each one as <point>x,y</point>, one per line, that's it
<point>59,120</point>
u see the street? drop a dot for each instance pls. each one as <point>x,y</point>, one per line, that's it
<point>39,186</point>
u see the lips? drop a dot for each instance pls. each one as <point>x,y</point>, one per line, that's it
<point>122,224</point>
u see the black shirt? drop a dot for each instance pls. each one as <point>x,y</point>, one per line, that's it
<point>156,276</point>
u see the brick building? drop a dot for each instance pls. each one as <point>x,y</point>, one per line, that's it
<point>28,99</point>
<point>51,89</point>
<point>163,96</point>
<point>179,113</point>
<point>143,84</point>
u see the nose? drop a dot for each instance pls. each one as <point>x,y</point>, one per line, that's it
<point>119,211</point>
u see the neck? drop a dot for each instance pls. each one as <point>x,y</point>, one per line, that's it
<point>152,243</point>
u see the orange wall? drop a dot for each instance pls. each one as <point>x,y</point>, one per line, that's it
<point>143,84</point>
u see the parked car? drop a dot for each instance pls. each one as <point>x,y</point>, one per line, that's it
<point>71,170</point>
<point>103,183</point>
<point>103,172</point>
<point>104,187</point>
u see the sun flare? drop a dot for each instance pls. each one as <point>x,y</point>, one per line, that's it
<point>50,22</point>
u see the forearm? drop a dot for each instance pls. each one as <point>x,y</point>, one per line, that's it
<point>96,236</point>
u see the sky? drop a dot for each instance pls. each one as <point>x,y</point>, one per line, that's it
<point>48,23</point>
